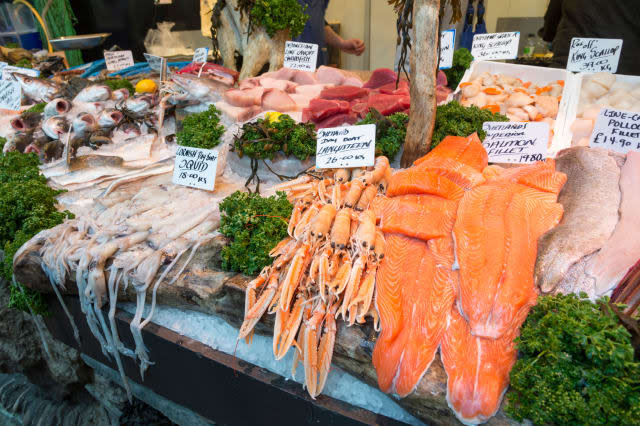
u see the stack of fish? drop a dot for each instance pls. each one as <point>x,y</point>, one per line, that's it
<point>461,243</point>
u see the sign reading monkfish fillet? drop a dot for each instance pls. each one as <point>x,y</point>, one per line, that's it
<point>343,147</point>
<point>195,167</point>
<point>300,56</point>
<point>516,142</point>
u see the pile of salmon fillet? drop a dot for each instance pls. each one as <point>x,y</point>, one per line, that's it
<point>461,243</point>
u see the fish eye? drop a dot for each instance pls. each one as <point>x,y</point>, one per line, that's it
<point>28,80</point>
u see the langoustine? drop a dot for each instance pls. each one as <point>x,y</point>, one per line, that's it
<point>324,270</point>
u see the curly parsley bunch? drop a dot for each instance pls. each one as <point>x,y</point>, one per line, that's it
<point>390,131</point>
<point>277,15</point>
<point>453,119</point>
<point>201,130</point>
<point>254,225</point>
<point>576,366</point>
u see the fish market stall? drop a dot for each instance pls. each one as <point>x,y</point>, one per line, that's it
<point>335,246</point>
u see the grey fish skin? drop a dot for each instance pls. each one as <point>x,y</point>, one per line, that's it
<point>55,126</point>
<point>591,198</point>
<point>58,106</point>
<point>93,93</point>
<point>37,89</point>
<point>120,95</point>
<point>139,105</point>
<point>84,123</point>
<point>199,89</point>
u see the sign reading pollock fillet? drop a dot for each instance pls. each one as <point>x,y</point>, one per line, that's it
<point>300,56</point>
<point>10,95</point>
<point>447,44</point>
<point>495,46</point>
<point>616,130</point>
<point>195,167</point>
<point>516,142</point>
<point>594,54</point>
<point>343,147</point>
<point>201,54</point>
<point>118,60</point>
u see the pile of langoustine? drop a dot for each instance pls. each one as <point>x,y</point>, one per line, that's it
<point>461,245</point>
<point>326,268</point>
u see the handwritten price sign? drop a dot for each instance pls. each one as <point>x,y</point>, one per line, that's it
<point>516,142</point>
<point>7,70</point>
<point>351,146</point>
<point>195,167</point>
<point>300,56</point>
<point>494,46</point>
<point>200,54</point>
<point>118,60</point>
<point>594,54</point>
<point>447,42</point>
<point>616,130</point>
<point>10,95</point>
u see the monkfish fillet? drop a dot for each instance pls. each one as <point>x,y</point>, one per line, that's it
<point>426,296</point>
<point>496,234</point>
<point>477,369</point>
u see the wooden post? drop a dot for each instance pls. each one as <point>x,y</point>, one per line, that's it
<point>424,63</point>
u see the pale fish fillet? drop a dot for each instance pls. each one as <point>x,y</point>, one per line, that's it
<point>622,250</point>
<point>590,198</point>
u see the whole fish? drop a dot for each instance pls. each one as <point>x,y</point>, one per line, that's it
<point>55,126</point>
<point>93,93</point>
<point>58,106</point>
<point>53,150</point>
<point>120,95</point>
<point>26,121</point>
<point>84,123</point>
<point>198,89</point>
<point>109,118</point>
<point>140,105</point>
<point>17,142</point>
<point>37,89</point>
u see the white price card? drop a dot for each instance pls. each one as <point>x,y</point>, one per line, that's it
<point>195,167</point>
<point>516,142</point>
<point>495,46</point>
<point>300,56</point>
<point>447,43</point>
<point>616,130</point>
<point>594,54</point>
<point>10,95</point>
<point>201,54</point>
<point>118,60</point>
<point>8,69</point>
<point>156,63</point>
<point>2,67</point>
<point>349,146</point>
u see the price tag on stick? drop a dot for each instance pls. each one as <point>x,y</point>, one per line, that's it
<point>118,60</point>
<point>10,95</point>
<point>616,130</point>
<point>516,142</point>
<point>494,46</point>
<point>155,62</point>
<point>195,167</point>
<point>447,43</point>
<point>201,54</point>
<point>300,56</point>
<point>351,146</point>
<point>594,54</point>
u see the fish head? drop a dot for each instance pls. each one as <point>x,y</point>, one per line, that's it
<point>55,126</point>
<point>94,93</point>
<point>18,124</point>
<point>84,122</point>
<point>37,89</point>
<point>131,129</point>
<point>58,106</point>
<point>194,86</point>
<point>110,118</point>
<point>140,104</point>
<point>120,94</point>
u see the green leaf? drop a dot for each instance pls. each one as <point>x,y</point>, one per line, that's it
<point>201,130</point>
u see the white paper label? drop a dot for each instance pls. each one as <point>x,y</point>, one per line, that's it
<point>2,67</point>
<point>616,130</point>
<point>201,54</point>
<point>10,95</point>
<point>494,46</point>
<point>300,56</point>
<point>351,146</point>
<point>594,54</point>
<point>156,63</point>
<point>8,69</point>
<point>447,43</point>
<point>195,167</point>
<point>516,142</point>
<point>118,60</point>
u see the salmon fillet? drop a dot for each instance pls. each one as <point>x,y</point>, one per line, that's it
<point>465,176</point>
<point>426,296</point>
<point>468,151</point>
<point>541,175</point>
<point>477,369</point>
<point>496,234</point>
<point>419,216</point>
<point>420,181</point>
